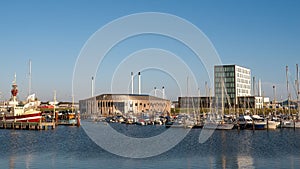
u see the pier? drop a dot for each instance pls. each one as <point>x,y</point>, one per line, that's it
<point>27,125</point>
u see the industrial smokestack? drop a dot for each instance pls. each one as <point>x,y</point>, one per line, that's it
<point>139,82</point>
<point>92,88</point>
<point>131,82</point>
<point>155,91</point>
<point>259,88</point>
<point>163,91</point>
<point>253,86</point>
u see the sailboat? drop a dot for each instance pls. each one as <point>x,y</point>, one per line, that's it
<point>216,121</point>
<point>293,123</point>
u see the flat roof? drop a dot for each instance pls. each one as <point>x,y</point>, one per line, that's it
<point>230,65</point>
<point>126,97</point>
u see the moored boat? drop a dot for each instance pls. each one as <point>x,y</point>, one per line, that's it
<point>290,124</point>
<point>218,125</point>
<point>272,124</point>
<point>22,113</point>
<point>259,122</point>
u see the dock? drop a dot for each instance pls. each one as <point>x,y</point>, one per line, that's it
<point>27,125</point>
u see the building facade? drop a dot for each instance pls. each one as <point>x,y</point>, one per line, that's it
<point>250,102</point>
<point>114,104</point>
<point>196,102</point>
<point>231,82</point>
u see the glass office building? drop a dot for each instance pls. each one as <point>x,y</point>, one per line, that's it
<point>231,82</point>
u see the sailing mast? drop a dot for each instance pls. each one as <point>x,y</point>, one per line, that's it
<point>54,99</point>
<point>274,104</point>
<point>288,91</point>
<point>222,97</point>
<point>29,79</point>
<point>207,96</point>
<point>297,87</point>
<point>199,101</point>
<point>73,103</point>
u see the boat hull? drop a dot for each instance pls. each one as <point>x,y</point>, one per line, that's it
<point>33,117</point>
<point>225,126</point>
<point>272,124</point>
<point>259,126</point>
<point>218,126</point>
<point>245,126</point>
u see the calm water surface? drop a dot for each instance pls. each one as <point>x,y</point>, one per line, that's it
<point>70,147</point>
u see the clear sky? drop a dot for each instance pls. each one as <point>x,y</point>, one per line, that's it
<point>263,35</point>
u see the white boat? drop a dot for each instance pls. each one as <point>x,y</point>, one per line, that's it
<point>215,121</point>
<point>245,122</point>
<point>22,113</point>
<point>225,126</point>
<point>272,124</point>
<point>218,125</point>
<point>290,124</point>
<point>259,122</point>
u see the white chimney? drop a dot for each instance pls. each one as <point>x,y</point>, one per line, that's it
<point>253,86</point>
<point>92,89</point>
<point>155,91</point>
<point>139,74</point>
<point>259,88</point>
<point>131,82</point>
<point>163,91</point>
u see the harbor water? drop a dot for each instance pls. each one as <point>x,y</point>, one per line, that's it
<point>70,147</point>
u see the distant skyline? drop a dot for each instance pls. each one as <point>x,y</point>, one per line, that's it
<point>261,35</point>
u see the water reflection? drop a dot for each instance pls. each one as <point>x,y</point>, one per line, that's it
<point>245,162</point>
<point>67,147</point>
<point>28,160</point>
<point>12,162</point>
<point>223,161</point>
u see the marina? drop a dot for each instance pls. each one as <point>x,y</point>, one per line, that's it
<point>247,122</point>
<point>150,84</point>
<point>235,105</point>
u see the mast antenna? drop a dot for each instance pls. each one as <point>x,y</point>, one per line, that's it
<point>29,78</point>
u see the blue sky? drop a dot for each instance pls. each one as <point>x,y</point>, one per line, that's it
<point>261,35</point>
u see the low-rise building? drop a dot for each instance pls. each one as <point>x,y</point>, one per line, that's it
<point>196,102</point>
<point>113,104</point>
<point>248,102</point>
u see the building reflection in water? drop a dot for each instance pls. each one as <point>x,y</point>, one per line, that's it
<point>245,162</point>
<point>12,162</point>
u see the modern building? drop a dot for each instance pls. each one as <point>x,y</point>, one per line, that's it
<point>114,104</point>
<point>231,82</point>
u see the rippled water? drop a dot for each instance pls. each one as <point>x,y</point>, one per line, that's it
<point>70,147</point>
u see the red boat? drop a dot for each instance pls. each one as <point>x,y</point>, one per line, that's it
<point>34,116</point>
<point>22,113</point>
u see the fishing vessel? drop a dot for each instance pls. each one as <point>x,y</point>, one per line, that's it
<point>17,112</point>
